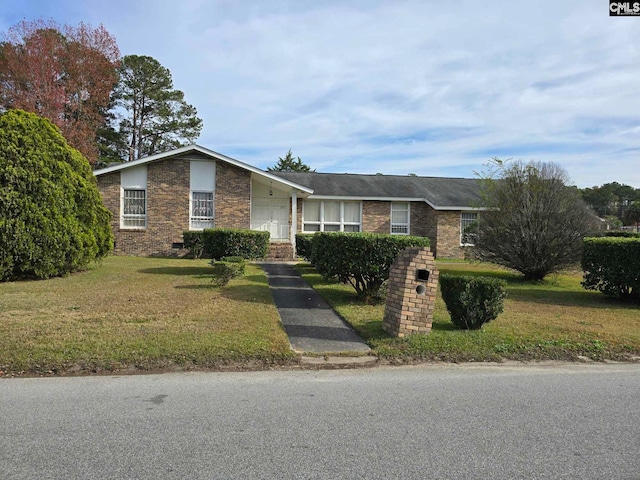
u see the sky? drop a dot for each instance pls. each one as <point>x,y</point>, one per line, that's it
<point>395,87</point>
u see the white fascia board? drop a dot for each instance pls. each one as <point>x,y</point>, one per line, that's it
<point>352,198</point>
<point>466,209</point>
<point>209,153</point>
<point>394,199</point>
<point>282,181</point>
<point>151,158</point>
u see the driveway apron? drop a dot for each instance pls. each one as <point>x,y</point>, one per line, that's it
<point>310,323</point>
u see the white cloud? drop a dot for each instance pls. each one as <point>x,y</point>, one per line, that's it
<point>429,87</point>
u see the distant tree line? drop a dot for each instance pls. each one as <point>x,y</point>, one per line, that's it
<point>616,202</point>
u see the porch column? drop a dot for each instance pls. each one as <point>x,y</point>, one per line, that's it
<point>294,219</point>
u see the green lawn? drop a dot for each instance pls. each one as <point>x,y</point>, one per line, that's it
<point>144,314</point>
<point>553,319</point>
<point>139,314</point>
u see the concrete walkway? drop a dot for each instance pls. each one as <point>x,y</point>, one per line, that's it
<point>310,323</point>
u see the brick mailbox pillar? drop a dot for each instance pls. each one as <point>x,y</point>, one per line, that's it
<point>411,294</point>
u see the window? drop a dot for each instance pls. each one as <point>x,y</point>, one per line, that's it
<point>202,185</point>
<point>400,218</point>
<point>331,216</point>
<point>201,210</point>
<point>468,228</point>
<point>351,217</point>
<point>134,209</point>
<point>133,202</point>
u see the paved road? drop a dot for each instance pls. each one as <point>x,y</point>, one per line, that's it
<point>460,422</point>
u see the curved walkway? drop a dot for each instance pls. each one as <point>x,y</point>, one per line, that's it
<point>310,323</point>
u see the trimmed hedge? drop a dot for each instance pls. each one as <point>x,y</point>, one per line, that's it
<point>361,259</point>
<point>303,245</point>
<point>612,266</point>
<point>472,301</point>
<point>194,242</point>
<point>227,242</point>
<point>624,234</point>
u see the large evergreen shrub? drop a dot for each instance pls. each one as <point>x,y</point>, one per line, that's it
<point>52,218</point>
<point>611,265</point>
<point>472,301</point>
<point>361,259</point>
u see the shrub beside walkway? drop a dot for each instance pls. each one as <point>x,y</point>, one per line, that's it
<point>310,323</point>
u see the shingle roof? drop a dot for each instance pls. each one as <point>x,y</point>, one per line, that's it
<point>440,193</point>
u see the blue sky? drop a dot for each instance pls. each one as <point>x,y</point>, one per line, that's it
<point>396,87</point>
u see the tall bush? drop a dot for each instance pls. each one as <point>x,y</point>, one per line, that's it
<point>362,260</point>
<point>611,265</point>
<point>235,242</point>
<point>52,218</point>
<point>472,301</point>
<point>533,221</point>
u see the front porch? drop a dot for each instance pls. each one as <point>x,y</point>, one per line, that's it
<point>274,210</point>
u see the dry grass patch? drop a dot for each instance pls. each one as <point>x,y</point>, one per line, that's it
<point>553,319</point>
<point>138,312</point>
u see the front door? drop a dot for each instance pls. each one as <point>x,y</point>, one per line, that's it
<point>271,215</point>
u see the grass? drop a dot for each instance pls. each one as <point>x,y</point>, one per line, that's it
<point>144,314</point>
<point>138,313</point>
<point>553,319</point>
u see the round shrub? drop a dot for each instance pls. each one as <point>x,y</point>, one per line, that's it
<point>472,301</point>
<point>52,219</point>
<point>226,269</point>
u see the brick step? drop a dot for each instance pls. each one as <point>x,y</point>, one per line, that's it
<point>282,252</point>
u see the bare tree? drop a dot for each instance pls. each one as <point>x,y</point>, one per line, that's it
<point>534,222</point>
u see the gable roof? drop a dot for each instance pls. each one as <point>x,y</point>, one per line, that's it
<point>440,193</point>
<point>197,149</point>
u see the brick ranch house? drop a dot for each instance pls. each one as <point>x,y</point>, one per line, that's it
<point>155,199</point>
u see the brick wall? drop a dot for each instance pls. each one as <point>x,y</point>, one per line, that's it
<point>422,220</point>
<point>168,188</point>
<point>376,216</point>
<point>232,197</point>
<point>109,186</point>
<point>299,215</point>
<point>448,239</point>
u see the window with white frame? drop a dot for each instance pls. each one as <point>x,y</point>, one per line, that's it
<point>133,202</point>
<point>400,218</point>
<point>351,218</point>
<point>468,228</point>
<point>331,216</point>
<point>201,210</point>
<point>202,184</point>
<point>134,208</point>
